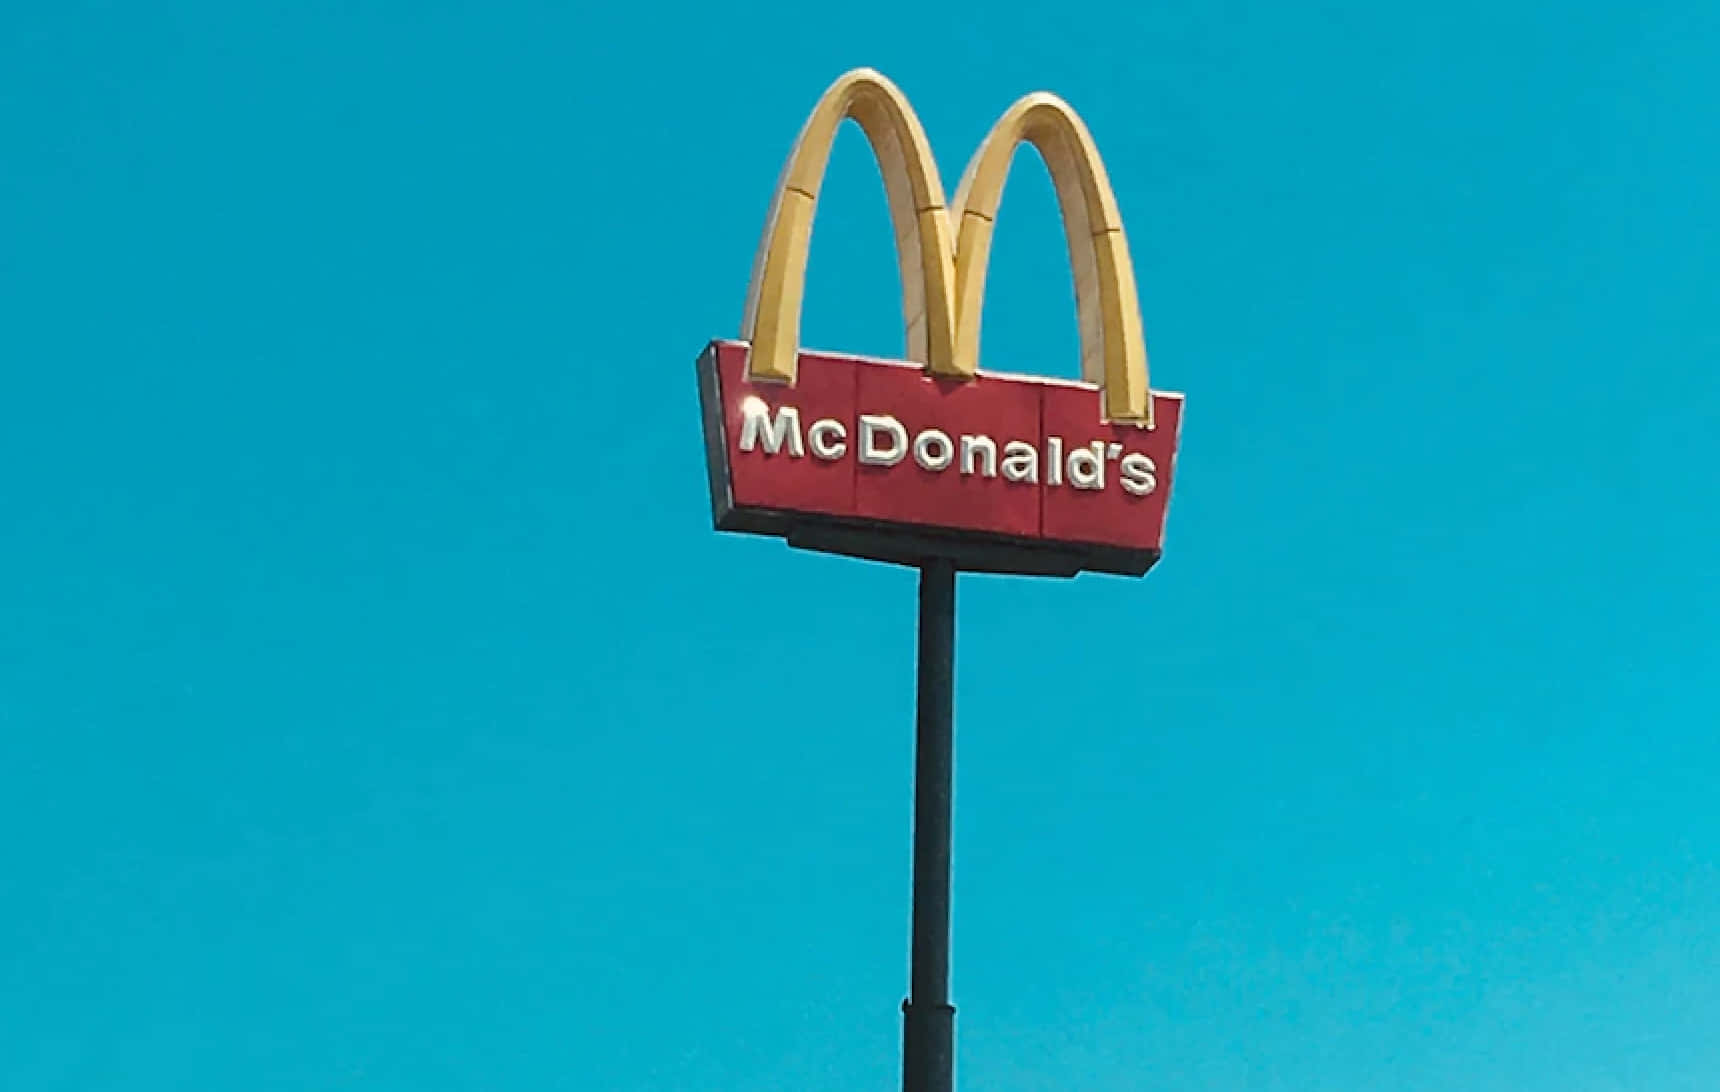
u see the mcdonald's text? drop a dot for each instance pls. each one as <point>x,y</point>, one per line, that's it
<point>883,441</point>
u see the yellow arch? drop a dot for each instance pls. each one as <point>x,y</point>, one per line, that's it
<point>1113,344</point>
<point>943,279</point>
<point>916,199</point>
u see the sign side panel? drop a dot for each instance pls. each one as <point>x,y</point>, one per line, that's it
<point>716,450</point>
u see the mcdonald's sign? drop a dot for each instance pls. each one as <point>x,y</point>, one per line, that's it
<point>934,456</point>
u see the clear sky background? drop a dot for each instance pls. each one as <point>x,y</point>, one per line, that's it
<point>378,710</point>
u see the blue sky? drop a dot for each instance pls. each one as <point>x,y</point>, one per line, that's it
<point>379,712</point>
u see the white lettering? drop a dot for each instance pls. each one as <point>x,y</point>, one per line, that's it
<point>934,450</point>
<point>755,418</point>
<point>1139,474</point>
<point>871,426</point>
<point>827,438</point>
<point>975,448</point>
<point>883,441</point>
<point>1087,466</point>
<point>1020,462</point>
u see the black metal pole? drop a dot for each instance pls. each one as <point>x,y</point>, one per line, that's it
<point>928,1019</point>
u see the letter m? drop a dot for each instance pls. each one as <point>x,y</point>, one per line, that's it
<point>755,420</point>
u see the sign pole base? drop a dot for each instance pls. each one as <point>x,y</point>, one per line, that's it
<point>928,1019</point>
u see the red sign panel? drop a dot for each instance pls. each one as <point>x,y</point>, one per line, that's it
<point>876,458</point>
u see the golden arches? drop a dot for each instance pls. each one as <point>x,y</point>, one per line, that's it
<point>943,280</point>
